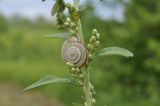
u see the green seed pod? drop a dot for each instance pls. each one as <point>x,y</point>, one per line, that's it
<point>89,46</point>
<point>93,100</point>
<point>96,44</point>
<point>68,20</point>
<point>68,5</point>
<point>94,31</point>
<point>90,57</point>
<point>69,65</point>
<point>76,28</point>
<point>85,104</point>
<point>92,48</point>
<point>73,8</point>
<point>72,75</point>
<point>78,70</point>
<point>73,32</point>
<point>73,24</point>
<point>97,35</point>
<point>93,39</point>
<point>81,76</point>
<point>66,24</point>
<point>73,69</point>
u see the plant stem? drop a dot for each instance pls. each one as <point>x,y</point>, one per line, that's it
<point>80,32</point>
<point>88,93</point>
<point>87,85</point>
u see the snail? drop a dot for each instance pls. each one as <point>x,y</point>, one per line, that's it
<point>74,51</point>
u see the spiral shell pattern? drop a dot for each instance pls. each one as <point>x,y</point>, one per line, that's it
<point>74,52</point>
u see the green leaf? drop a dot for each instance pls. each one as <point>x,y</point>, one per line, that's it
<point>55,8</point>
<point>50,79</point>
<point>59,6</point>
<point>60,35</point>
<point>113,51</point>
<point>77,104</point>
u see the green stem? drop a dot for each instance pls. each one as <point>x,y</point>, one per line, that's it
<point>87,85</point>
<point>88,93</point>
<point>80,32</point>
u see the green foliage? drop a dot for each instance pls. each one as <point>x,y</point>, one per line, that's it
<point>25,56</point>
<point>49,80</point>
<point>59,6</point>
<point>113,51</point>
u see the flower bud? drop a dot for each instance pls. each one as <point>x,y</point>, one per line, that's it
<point>85,104</point>
<point>66,24</point>
<point>94,31</point>
<point>92,48</point>
<point>90,57</point>
<point>93,100</point>
<point>93,39</point>
<point>73,24</point>
<point>76,28</point>
<point>69,65</point>
<point>78,70</point>
<point>96,44</point>
<point>68,5</point>
<point>73,8</point>
<point>89,46</point>
<point>97,35</point>
<point>68,20</point>
<point>73,32</point>
<point>73,69</point>
<point>81,76</point>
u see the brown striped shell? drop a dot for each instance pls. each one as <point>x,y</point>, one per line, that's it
<point>74,52</point>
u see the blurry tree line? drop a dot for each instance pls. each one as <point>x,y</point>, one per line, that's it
<point>119,81</point>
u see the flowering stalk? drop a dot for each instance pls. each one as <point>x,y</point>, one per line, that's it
<point>75,53</point>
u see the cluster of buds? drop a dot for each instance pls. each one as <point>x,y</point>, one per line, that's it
<point>71,26</point>
<point>91,93</point>
<point>60,20</point>
<point>73,11</point>
<point>70,7</point>
<point>76,73</point>
<point>94,43</point>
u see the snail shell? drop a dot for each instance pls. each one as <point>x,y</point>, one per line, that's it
<point>74,51</point>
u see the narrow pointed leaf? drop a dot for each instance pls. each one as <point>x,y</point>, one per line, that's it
<point>59,35</point>
<point>113,51</point>
<point>49,80</point>
<point>55,8</point>
<point>59,6</point>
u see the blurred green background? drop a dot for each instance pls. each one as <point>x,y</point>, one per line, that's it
<point>26,56</point>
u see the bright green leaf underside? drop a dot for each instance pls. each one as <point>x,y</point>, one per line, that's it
<point>113,51</point>
<point>49,80</point>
